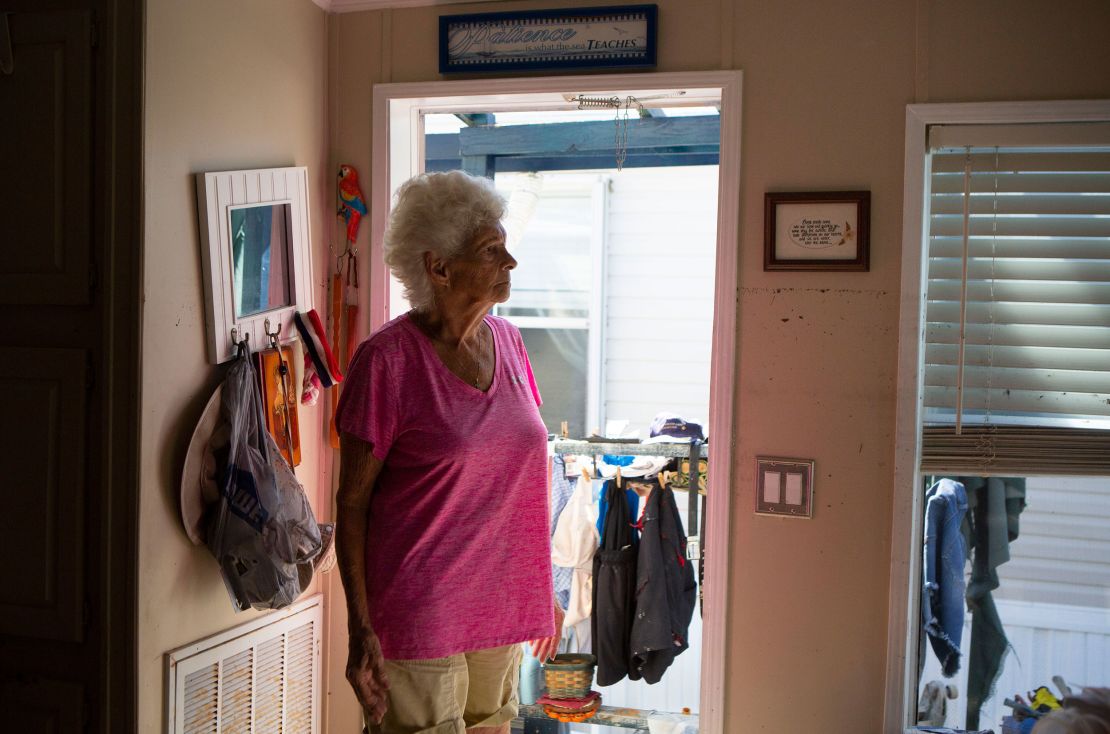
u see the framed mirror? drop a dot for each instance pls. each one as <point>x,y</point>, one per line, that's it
<point>256,252</point>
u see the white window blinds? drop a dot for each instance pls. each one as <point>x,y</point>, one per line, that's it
<point>1017,342</point>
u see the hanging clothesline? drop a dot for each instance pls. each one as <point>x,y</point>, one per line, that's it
<point>695,451</point>
<point>617,448</point>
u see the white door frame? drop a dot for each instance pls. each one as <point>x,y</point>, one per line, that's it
<point>907,522</point>
<point>398,154</point>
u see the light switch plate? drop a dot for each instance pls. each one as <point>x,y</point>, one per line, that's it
<point>784,487</point>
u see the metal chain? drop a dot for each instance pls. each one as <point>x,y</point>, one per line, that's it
<point>620,123</point>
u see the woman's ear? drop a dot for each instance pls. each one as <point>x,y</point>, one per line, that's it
<point>436,269</point>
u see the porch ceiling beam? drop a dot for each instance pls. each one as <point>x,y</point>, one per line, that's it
<point>476,118</point>
<point>576,137</point>
<point>593,161</point>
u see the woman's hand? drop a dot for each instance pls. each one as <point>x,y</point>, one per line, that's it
<point>545,648</point>
<point>366,674</point>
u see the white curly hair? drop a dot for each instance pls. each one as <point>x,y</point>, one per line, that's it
<point>437,213</point>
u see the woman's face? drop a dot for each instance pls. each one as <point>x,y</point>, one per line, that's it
<point>481,269</point>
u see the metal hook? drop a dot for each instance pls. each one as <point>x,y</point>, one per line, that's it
<point>242,347</point>
<point>273,335</point>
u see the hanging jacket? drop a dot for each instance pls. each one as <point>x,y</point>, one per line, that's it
<point>942,595</point>
<point>990,525</point>
<point>666,591</point>
<point>614,590</point>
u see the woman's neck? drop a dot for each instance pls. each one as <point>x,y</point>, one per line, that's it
<point>452,326</point>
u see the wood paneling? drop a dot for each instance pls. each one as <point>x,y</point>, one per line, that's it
<point>45,196</point>
<point>43,520</point>
<point>34,705</point>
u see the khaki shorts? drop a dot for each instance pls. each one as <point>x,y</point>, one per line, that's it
<point>452,694</point>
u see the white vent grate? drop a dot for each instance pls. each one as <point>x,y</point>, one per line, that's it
<point>260,678</point>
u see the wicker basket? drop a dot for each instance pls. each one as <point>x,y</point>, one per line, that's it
<point>569,675</point>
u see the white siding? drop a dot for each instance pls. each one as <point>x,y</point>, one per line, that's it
<point>659,270</point>
<point>1046,640</point>
<point>660,249</point>
<point>1062,554</point>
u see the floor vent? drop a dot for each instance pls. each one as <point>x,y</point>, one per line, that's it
<point>262,677</point>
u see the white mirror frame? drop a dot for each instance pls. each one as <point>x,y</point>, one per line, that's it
<point>217,194</point>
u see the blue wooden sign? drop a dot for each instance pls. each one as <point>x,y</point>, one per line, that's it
<point>581,38</point>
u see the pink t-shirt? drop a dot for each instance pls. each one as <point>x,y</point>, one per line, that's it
<point>458,555</point>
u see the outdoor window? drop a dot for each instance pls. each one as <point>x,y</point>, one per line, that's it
<point>1016,409</point>
<point>554,234</point>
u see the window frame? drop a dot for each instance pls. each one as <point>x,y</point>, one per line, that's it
<point>900,700</point>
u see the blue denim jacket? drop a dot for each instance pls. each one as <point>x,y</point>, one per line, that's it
<point>942,597</point>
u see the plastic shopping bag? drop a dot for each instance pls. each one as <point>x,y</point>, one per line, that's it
<point>262,531</point>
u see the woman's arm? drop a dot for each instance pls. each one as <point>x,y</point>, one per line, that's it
<point>545,648</point>
<point>358,470</point>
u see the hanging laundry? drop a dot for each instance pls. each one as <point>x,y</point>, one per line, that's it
<point>562,488</point>
<point>614,592</point>
<point>573,547</point>
<point>632,500</point>
<point>942,593</point>
<point>666,591</point>
<point>990,525</point>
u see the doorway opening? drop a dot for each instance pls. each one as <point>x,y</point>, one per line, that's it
<point>646,256</point>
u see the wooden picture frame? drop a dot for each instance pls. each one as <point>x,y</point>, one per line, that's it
<point>617,36</point>
<point>821,230</point>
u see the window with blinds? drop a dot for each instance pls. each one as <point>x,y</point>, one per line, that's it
<point>1017,337</point>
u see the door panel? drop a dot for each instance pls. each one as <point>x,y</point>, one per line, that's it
<point>70,281</point>
<point>34,705</point>
<point>43,520</point>
<point>47,152</point>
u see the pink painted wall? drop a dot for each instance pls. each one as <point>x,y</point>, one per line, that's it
<point>825,89</point>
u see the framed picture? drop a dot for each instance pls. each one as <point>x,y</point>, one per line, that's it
<point>824,230</point>
<point>621,36</point>
<point>279,401</point>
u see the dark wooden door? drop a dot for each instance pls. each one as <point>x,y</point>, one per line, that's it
<point>70,119</point>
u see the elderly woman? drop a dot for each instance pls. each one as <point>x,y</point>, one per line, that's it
<point>442,524</point>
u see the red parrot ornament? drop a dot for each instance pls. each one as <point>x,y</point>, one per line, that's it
<point>351,204</point>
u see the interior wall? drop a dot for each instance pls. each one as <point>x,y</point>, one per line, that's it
<point>825,89</point>
<point>229,85</point>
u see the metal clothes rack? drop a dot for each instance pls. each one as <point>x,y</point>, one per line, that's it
<point>695,451</point>
<point>635,721</point>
